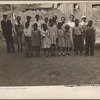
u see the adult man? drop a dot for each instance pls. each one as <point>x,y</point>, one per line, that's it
<point>7,32</point>
<point>83,24</point>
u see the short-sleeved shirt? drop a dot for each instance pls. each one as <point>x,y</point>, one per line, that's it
<point>77,30</point>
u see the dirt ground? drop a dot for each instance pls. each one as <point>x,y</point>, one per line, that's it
<point>16,70</point>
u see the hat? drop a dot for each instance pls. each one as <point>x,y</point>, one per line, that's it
<point>28,17</point>
<point>83,17</point>
<point>5,14</point>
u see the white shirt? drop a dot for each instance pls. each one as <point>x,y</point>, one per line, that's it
<point>27,32</point>
<point>83,23</point>
<point>71,24</point>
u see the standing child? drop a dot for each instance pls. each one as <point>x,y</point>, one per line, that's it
<point>27,34</point>
<point>77,37</point>
<point>68,42</point>
<point>53,36</point>
<point>61,40</point>
<point>36,39</point>
<point>19,30</point>
<point>45,40</point>
<point>90,38</point>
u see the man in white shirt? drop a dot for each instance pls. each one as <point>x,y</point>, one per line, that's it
<point>27,33</point>
<point>83,25</point>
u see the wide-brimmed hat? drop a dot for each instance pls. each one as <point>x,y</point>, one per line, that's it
<point>5,14</point>
<point>83,17</point>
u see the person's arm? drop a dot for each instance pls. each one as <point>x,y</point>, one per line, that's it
<point>2,27</point>
<point>73,34</point>
<point>94,35</point>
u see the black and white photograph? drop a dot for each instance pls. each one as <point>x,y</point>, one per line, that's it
<point>50,44</point>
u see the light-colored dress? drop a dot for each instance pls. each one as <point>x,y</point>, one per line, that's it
<point>36,37</point>
<point>71,24</point>
<point>68,42</point>
<point>53,34</point>
<point>45,36</point>
<point>61,39</point>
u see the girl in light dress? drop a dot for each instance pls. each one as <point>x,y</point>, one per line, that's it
<point>46,43</point>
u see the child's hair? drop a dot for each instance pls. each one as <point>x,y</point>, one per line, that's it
<point>37,16</point>
<point>46,18</point>
<point>44,27</point>
<point>51,22</point>
<point>90,23</point>
<point>67,28</point>
<point>62,18</point>
<point>72,16</point>
<point>59,25</point>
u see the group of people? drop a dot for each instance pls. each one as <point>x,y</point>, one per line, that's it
<point>50,35</point>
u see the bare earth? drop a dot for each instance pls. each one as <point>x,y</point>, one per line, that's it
<point>16,70</point>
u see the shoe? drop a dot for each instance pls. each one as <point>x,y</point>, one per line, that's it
<point>69,53</point>
<point>63,54</point>
<point>59,54</point>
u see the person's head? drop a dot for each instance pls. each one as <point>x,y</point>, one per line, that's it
<point>26,25</point>
<point>72,17</point>
<point>51,22</point>
<point>63,19</point>
<point>44,27</point>
<point>18,18</point>
<point>67,28</point>
<point>35,26</point>
<point>55,18</point>
<point>59,25</point>
<point>28,18</point>
<point>83,18</point>
<point>5,16</point>
<point>76,22</point>
<point>37,17</point>
<point>90,23</point>
<point>46,19</point>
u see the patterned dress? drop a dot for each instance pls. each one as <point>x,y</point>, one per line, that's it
<point>53,34</point>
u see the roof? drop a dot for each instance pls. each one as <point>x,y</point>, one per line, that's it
<point>40,6</point>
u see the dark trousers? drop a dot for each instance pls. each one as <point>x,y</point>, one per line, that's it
<point>28,45</point>
<point>10,44</point>
<point>19,43</point>
<point>37,50</point>
<point>78,43</point>
<point>89,46</point>
<point>53,49</point>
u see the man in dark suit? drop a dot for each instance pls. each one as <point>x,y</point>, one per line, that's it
<point>7,32</point>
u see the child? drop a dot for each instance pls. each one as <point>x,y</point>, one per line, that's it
<point>53,36</point>
<point>45,40</point>
<point>68,42</point>
<point>90,38</point>
<point>27,34</point>
<point>36,39</point>
<point>61,40</point>
<point>19,30</point>
<point>77,37</point>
